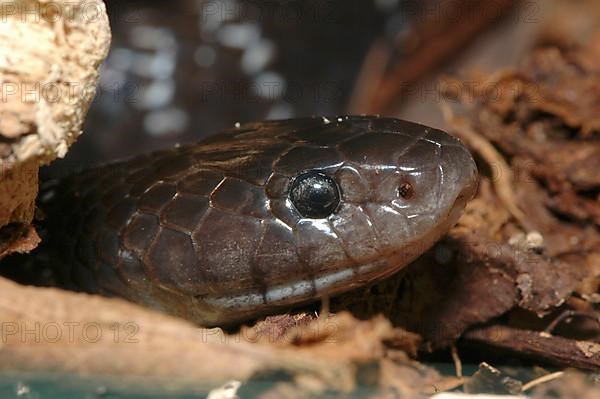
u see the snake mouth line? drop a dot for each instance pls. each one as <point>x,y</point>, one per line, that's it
<point>303,290</point>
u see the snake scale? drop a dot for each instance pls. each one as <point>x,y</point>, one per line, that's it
<point>257,219</point>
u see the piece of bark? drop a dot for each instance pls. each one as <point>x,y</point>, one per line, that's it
<point>50,53</point>
<point>17,238</point>
<point>489,379</point>
<point>18,190</point>
<point>545,113</point>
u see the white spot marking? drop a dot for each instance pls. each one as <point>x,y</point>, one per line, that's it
<point>288,291</point>
<point>329,280</point>
<point>248,300</point>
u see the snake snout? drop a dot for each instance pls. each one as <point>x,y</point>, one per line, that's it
<point>460,173</point>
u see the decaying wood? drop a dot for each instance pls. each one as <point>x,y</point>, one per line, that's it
<point>545,125</point>
<point>17,237</point>
<point>50,53</point>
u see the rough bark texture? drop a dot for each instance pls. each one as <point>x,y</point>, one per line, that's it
<point>50,53</point>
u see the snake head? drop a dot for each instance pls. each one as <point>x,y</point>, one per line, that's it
<point>349,200</point>
<point>367,197</point>
<point>403,186</point>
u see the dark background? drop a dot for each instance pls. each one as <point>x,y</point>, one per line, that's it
<point>181,70</point>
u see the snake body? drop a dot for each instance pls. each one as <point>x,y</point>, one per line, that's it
<point>259,218</point>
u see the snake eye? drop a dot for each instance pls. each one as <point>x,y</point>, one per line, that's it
<point>315,195</point>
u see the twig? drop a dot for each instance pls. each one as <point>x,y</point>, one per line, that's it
<point>556,350</point>
<point>542,379</point>
<point>441,38</point>
<point>569,314</point>
<point>456,360</point>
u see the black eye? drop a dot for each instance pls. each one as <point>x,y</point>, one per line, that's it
<point>315,195</point>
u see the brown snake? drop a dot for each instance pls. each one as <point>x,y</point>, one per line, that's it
<point>259,218</point>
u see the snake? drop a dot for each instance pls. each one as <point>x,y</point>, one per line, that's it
<point>258,219</point>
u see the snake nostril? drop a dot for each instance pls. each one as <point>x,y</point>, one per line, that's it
<point>405,190</point>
